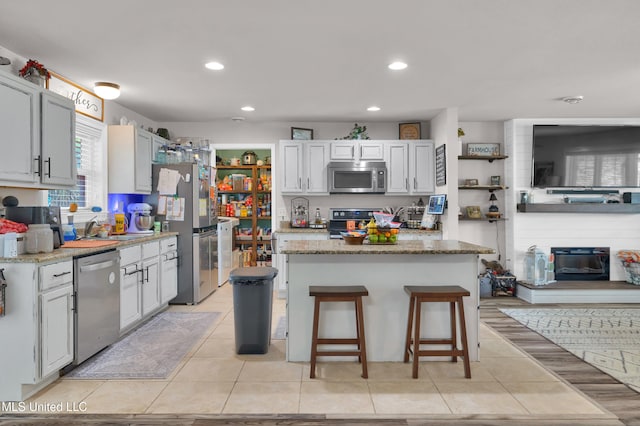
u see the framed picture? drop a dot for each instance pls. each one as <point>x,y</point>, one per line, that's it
<point>300,134</point>
<point>496,181</point>
<point>441,165</point>
<point>471,182</point>
<point>473,212</point>
<point>409,130</point>
<point>483,149</point>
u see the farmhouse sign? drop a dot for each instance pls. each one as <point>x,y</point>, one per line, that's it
<point>483,149</point>
<point>87,103</point>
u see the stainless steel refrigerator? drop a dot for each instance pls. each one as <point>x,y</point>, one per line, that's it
<point>198,235</point>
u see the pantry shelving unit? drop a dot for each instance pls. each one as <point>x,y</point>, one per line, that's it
<point>256,248</point>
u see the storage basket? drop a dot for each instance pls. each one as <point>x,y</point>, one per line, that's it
<point>631,263</point>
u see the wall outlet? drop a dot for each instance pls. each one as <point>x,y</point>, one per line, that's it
<point>282,213</point>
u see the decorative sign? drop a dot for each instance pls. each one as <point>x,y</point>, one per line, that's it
<point>483,149</point>
<point>87,103</point>
<point>441,165</point>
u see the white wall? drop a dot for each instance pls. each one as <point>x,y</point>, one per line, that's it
<point>617,231</point>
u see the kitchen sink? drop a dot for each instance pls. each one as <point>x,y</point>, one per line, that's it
<point>124,237</point>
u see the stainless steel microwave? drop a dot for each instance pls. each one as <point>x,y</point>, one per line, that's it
<point>359,177</point>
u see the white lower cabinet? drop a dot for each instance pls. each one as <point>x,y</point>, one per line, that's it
<point>280,260</point>
<point>141,285</point>
<point>56,332</point>
<point>168,269</point>
<point>425,236</point>
<point>37,329</point>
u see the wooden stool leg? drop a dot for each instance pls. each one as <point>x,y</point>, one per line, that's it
<point>314,337</point>
<point>416,339</point>
<point>361,340</point>
<point>407,344</point>
<point>454,336</point>
<point>463,332</point>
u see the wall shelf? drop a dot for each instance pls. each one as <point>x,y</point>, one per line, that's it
<point>489,188</point>
<point>620,208</point>
<point>488,158</point>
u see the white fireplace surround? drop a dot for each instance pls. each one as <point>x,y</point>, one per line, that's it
<point>546,230</point>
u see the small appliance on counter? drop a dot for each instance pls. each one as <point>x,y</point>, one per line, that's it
<point>141,220</point>
<point>300,212</point>
<point>38,215</point>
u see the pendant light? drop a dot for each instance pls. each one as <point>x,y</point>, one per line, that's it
<point>106,90</point>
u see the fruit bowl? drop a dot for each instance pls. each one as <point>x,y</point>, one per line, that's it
<point>384,236</point>
<point>353,237</point>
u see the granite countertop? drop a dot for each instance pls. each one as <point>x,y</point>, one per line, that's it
<point>69,253</point>
<point>402,247</point>
<point>285,228</point>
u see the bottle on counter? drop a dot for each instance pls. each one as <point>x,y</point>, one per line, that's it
<point>318,217</point>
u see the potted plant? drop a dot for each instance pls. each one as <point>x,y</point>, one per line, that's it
<point>358,132</point>
<point>460,133</point>
<point>35,72</point>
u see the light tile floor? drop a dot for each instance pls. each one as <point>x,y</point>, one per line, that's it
<point>213,379</point>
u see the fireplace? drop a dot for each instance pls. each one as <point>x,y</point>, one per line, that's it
<point>581,263</point>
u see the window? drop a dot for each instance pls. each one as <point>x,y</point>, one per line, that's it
<point>90,149</point>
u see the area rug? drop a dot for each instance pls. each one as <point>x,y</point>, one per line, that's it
<point>281,329</point>
<point>608,339</point>
<point>150,352</point>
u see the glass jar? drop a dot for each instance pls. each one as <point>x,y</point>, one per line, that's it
<point>39,239</point>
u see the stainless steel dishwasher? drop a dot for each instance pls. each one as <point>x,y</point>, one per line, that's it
<point>97,303</point>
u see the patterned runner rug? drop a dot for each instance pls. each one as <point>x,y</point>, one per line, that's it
<point>608,339</point>
<point>151,351</point>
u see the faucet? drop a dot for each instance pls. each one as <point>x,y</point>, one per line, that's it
<point>89,226</point>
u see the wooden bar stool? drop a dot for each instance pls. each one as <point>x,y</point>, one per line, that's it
<point>354,294</point>
<point>446,293</point>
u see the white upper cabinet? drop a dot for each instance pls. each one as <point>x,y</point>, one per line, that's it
<point>58,140</point>
<point>129,160</point>
<point>397,158</point>
<point>38,133</point>
<point>291,160</point>
<point>304,167</point>
<point>422,167</point>
<point>357,150</point>
<point>316,158</point>
<point>410,167</point>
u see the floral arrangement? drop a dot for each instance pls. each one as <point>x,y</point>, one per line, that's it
<point>460,132</point>
<point>358,132</point>
<point>34,67</point>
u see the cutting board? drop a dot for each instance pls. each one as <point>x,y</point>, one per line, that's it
<point>87,244</point>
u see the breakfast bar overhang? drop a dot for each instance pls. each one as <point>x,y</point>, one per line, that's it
<point>384,270</point>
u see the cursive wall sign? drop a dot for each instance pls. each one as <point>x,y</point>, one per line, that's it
<point>87,103</point>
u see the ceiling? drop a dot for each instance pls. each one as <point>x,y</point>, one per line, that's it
<point>326,61</point>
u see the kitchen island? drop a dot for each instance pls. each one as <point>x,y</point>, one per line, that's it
<point>384,270</point>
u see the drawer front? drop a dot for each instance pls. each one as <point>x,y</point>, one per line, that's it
<point>56,274</point>
<point>168,244</point>
<point>129,255</point>
<point>150,249</point>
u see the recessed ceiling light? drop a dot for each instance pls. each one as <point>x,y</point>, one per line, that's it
<point>248,108</point>
<point>373,108</point>
<point>573,99</point>
<point>216,66</point>
<point>396,66</point>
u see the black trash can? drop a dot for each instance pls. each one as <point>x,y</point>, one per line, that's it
<point>252,305</point>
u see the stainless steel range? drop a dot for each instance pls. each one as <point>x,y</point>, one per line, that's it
<point>339,218</point>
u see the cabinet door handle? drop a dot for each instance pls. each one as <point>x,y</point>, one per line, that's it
<point>415,183</point>
<point>48,161</point>
<point>38,166</point>
<point>300,183</point>
<point>307,183</point>
<point>146,269</point>
<point>61,274</point>
<point>360,152</point>
<point>353,152</point>
<point>406,184</point>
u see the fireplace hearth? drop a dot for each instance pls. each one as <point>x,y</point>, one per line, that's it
<point>581,263</point>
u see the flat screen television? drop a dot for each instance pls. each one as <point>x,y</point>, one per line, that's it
<point>436,204</point>
<point>588,156</point>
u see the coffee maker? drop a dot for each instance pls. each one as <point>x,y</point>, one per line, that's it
<point>38,215</point>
